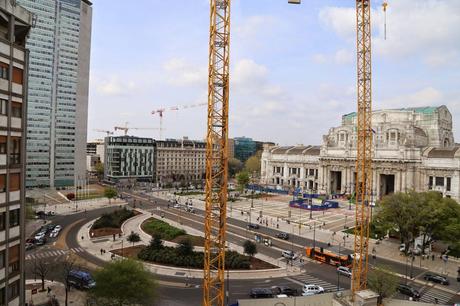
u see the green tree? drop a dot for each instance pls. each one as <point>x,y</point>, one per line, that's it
<point>250,248</point>
<point>156,243</point>
<point>99,168</point>
<point>252,165</point>
<point>185,247</point>
<point>383,282</point>
<point>133,238</point>
<point>110,193</point>
<point>134,285</point>
<point>243,179</point>
<point>234,166</point>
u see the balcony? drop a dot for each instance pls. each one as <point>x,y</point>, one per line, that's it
<point>17,88</point>
<point>15,195</point>
<point>2,159</point>
<point>16,123</point>
<point>14,232</point>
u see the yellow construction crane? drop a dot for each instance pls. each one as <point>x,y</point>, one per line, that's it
<point>217,140</point>
<point>216,154</point>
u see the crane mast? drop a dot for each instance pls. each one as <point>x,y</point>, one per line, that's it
<point>364,146</point>
<point>216,154</point>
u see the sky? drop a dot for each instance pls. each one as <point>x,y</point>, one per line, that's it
<point>293,67</point>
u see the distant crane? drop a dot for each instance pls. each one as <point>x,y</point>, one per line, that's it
<point>160,112</point>
<point>126,128</point>
<point>104,131</point>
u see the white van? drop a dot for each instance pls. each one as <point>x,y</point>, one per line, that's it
<point>289,255</point>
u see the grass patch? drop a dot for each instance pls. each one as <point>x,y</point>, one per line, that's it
<point>90,196</point>
<point>167,232</point>
<point>189,193</point>
<point>114,219</point>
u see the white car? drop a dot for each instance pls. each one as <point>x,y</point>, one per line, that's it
<point>289,255</point>
<point>344,271</point>
<point>40,235</point>
<point>177,205</point>
<point>57,228</point>
<point>309,289</point>
<point>54,233</point>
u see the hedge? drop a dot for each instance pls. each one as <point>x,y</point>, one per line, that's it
<point>114,219</point>
<point>166,231</point>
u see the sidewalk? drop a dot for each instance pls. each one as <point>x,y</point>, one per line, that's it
<point>94,246</point>
<point>384,249</point>
<point>75,297</point>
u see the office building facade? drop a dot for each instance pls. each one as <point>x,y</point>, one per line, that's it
<point>180,161</point>
<point>15,23</point>
<point>244,148</point>
<point>129,158</point>
<point>57,113</point>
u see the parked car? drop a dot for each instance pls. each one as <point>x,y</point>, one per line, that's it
<point>409,291</point>
<point>310,289</point>
<point>282,235</point>
<point>435,278</point>
<point>54,233</point>
<point>289,254</point>
<point>57,228</point>
<point>177,205</point>
<point>41,241</point>
<point>81,279</point>
<point>261,293</point>
<point>190,209</point>
<point>253,226</point>
<point>344,271</point>
<point>40,235</point>
<point>284,290</point>
<point>29,246</point>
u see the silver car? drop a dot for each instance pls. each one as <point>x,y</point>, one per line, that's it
<point>344,271</point>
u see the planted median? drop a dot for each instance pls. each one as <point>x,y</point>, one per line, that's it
<point>110,223</point>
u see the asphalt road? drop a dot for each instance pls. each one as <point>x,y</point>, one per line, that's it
<point>237,233</point>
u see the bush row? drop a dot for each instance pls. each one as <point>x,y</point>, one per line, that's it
<point>114,219</point>
<point>172,256</point>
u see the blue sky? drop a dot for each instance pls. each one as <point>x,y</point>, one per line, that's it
<point>293,67</point>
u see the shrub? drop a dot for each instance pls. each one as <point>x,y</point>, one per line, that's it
<point>114,219</point>
<point>70,196</point>
<point>166,231</point>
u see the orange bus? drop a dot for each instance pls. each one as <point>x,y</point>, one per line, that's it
<point>331,256</point>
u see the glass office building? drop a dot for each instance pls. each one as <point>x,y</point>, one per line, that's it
<point>57,112</point>
<point>244,148</point>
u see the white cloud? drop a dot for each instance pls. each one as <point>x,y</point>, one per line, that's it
<point>424,97</point>
<point>113,86</point>
<point>343,56</point>
<point>182,73</point>
<point>424,28</point>
<point>255,25</point>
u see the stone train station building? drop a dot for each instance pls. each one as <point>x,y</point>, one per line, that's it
<point>414,149</point>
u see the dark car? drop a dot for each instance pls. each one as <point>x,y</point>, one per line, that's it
<point>253,226</point>
<point>284,236</point>
<point>284,290</point>
<point>435,278</point>
<point>409,291</point>
<point>261,293</point>
<point>40,241</point>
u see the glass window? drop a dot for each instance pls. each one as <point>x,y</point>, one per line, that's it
<point>13,290</point>
<point>15,182</point>
<point>448,184</point>
<point>16,110</point>
<point>2,221</point>
<point>14,217</point>
<point>3,107</point>
<point>439,181</point>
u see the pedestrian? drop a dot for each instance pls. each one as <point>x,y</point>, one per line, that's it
<point>102,251</point>
<point>49,291</point>
<point>113,237</point>
<point>432,257</point>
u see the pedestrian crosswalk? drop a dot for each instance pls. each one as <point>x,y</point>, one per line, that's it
<point>429,295</point>
<point>52,253</point>
<point>309,279</point>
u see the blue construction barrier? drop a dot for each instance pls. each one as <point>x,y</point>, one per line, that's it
<point>326,204</point>
<point>266,189</point>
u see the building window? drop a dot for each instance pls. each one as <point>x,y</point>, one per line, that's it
<point>2,221</point>
<point>448,184</point>
<point>430,183</point>
<point>15,151</point>
<point>2,182</point>
<point>13,290</point>
<point>2,144</point>
<point>17,75</point>
<point>15,183</point>
<point>13,259</point>
<point>2,259</point>
<point>4,71</point>
<point>16,109</point>
<point>14,217</point>
<point>439,181</point>
<point>3,107</point>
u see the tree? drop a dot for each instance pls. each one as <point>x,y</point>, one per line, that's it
<point>99,168</point>
<point>234,166</point>
<point>134,285</point>
<point>250,248</point>
<point>41,269</point>
<point>252,165</point>
<point>70,196</point>
<point>110,193</point>
<point>185,247</point>
<point>243,179</point>
<point>383,282</point>
<point>156,243</point>
<point>133,238</point>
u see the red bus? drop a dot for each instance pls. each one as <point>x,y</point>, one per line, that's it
<point>331,256</point>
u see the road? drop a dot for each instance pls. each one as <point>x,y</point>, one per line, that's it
<point>323,275</point>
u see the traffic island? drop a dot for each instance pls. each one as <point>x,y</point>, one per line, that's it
<point>110,224</point>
